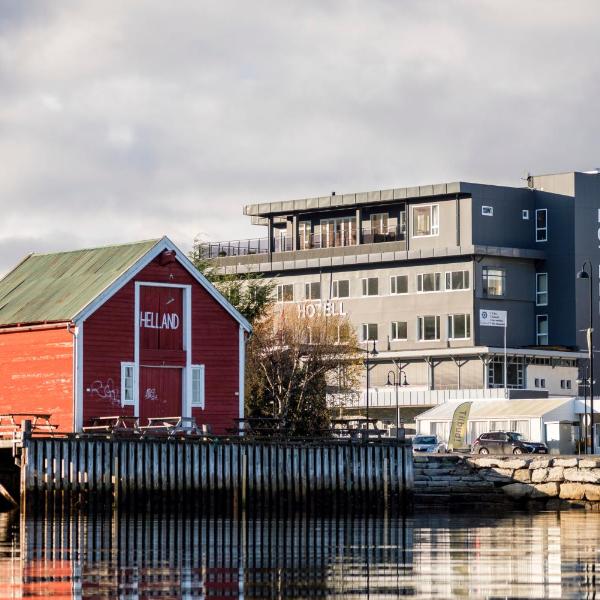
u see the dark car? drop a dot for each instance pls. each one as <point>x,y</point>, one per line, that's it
<point>506,442</point>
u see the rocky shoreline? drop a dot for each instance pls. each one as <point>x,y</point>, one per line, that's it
<point>539,482</point>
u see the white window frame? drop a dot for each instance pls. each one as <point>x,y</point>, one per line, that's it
<point>437,278</point>
<point>394,285</point>
<point>308,290</point>
<point>124,367</point>
<point>451,326</point>
<point>537,330</point>
<point>537,290</point>
<point>365,329</point>
<point>484,276</point>
<point>335,288</point>
<point>541,231</point>
<point>434,230</point>
<point>450,273</point>
<point>280,287</point>
<point>198,386</point>
<point>379,222</point>
<point>364,285</point>
<point>487,211</point>
<point>421,328</point>
<point>525,214</point>
<point>395,338</point>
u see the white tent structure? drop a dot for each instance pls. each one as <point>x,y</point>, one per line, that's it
<point>554,421</point>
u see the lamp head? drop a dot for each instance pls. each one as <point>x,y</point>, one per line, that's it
<point>374,351</point>
<point>404,382</point>
<point>389,381</point>
<point>583,274</point>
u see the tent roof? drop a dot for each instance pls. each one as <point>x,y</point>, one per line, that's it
<point>492,409</point>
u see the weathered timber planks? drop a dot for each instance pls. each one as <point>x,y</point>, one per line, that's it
<point>223,471</point>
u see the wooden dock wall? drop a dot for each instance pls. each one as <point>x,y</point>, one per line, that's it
<point>245,473</point>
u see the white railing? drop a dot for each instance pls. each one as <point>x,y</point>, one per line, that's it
<point>386,396</point>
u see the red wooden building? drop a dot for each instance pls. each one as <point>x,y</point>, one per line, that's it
<point>131,329</point>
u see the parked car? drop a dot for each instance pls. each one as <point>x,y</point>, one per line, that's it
<point>428,443</point>
<point>506,442</point>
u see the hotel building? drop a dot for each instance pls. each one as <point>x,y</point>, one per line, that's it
<point>413,268</point>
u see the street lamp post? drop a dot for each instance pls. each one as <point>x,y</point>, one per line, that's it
<point>393,378</point>
<point>583,274</point>
<point>372,353</point>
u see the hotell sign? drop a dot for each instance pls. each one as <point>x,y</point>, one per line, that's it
<point>329,308</point>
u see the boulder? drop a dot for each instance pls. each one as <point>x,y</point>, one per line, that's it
<point>589,463</point>
<point>545,490</point>
<point>572,491</point>
<point>592,492</point>
<point>539,475</point>
<point>565,462</point>
<point>522,475</point>
<point>482,463</point>
<point>555,474</point>
<point>515,463</point>
<point>517,490</point>
<point>540,463</point>
<point>582,475</point>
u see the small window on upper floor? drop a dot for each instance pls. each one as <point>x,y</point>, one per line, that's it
<point>341,288</point>
<point>541,289</point>
<point>312,291</point>
<point>542,330</point>
<point>487,211</point>
<point>541,225</point>
<point>494,281</point>
<point>429,282</point>
<point>457,280</point>
<point>370,286</point>
<point>285,292</point>
<point>426,220</point>
<point>525,215</point>
<point>399,284</point>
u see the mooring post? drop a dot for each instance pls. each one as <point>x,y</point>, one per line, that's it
<point>25,436</point>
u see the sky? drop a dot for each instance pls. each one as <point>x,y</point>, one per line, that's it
<point>123,120</point>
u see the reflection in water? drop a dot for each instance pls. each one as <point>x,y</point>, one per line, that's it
<point>425,556</point>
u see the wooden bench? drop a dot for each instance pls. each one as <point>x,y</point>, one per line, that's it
<point>113,424</point>
<point>40,423</point>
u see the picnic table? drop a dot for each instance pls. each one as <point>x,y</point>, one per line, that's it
<point>113,424</point>
<point>173,426</point>
<point>40,422</point>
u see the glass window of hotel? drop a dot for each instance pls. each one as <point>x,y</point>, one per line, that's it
<point>542,330</point>
<point>541,289</point>
<point>402,222</point>
<point>494,281</point>
<point>304,230</point>
<point>370,286</point>
<point>312,291</point>
<point>399,330</point>
<point>457,280</point>
<point>429,282</point>
<point>459,327</point>
<point>426,220</point>
<point>369,332</point>
<point>428,328</point>
<point>341,288</point>
<point>541,225</point>
<point>379,223</point>
<point>515,372</point>
<point>338,232</point>
<point>285,292</point>
<point>399,284</point>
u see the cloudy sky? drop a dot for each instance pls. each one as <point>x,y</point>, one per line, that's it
<point>128,119</point>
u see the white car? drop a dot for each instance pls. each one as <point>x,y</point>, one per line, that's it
<point>428,443</point>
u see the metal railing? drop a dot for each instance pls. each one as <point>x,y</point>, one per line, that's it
<point>284,243</point>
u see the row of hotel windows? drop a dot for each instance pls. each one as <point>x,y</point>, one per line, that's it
<point>494,284</point>
<point>428,329</point>
<point>341,231</point>
<point>426,282</point>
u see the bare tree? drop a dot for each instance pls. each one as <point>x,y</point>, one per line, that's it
<point>294,361</point>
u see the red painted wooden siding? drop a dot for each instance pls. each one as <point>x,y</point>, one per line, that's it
<point>109,339</point>
<point>36,374</point>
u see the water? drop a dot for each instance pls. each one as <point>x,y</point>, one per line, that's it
<point>424,556</point>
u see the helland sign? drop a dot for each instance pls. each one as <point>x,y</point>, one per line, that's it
<point>329,308</point>
<point>154,320</point>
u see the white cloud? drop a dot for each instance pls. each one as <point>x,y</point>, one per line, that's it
<point>122,120</point>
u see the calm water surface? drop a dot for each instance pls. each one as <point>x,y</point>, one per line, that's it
<point>424,556</point>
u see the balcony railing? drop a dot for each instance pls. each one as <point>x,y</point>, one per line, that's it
<point>284,243</point>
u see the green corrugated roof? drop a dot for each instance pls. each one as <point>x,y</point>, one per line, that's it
<point>46,288</point>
